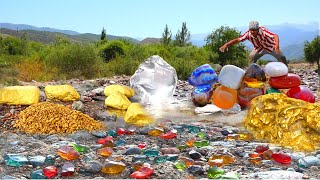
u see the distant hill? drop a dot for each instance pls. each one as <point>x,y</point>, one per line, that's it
<point>49,37</point>
<point>29,27</point>
<point>150,41</point>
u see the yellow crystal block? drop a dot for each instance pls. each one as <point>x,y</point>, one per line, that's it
<point>286,121</point>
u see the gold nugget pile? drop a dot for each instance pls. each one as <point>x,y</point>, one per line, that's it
<point>50,118</point>
<point>286,121</point>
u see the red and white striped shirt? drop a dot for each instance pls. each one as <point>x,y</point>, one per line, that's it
<point>264,39</point>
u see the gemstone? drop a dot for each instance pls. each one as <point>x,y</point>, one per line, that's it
<point>215,172</point>
<point>261,149</point>
<point>201,143</point>
<point>254,73</point>
<point>15,160</point>
<point>151,152</point>
<point>272,90</point>
<point>201,95</point>
<point>231,76</point>
<point>80,148</point>
<point>142,145</point>
<point>68,153</point>
<point>301,92</point>
<point>112,133</point>
<point>224,97</point>
<point>203,75</point>
<point>155,132</point>
<point>281,158</point>
<point>246,94</point>
<point>187,161</point>
<point>169,135</point>
<point>143,173</point>
<point>180,165</point>
<point>38,174</point>
<point>121,131</point>
<point>285,82</point>
<point>276,69</point>
<point>226,159</point>
<point>37,160</point>
<point>256,160</point>
<point>50,171</point>
<point>106,151</point>
<point>67,169</point>
<point>113,167</point>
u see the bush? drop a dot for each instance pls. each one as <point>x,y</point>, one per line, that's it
<point>74,60</point>
<point>112,49</point>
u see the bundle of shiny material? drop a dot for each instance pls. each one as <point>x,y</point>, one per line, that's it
<point>285,121</point>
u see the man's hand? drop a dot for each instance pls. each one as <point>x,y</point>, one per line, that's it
<point>276,49</point>
<point>223,48</point>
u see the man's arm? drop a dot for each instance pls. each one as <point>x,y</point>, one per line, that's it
<point>226,45</point>
<point>276,46</point>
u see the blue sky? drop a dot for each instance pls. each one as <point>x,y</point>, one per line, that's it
<point>147,18</point>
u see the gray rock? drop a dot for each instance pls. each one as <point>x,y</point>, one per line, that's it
<point>92,166</point>
<point>309,161</point>
<point>276,175</point>
<point>78,105</point>
<point>100,134</point>
<point>81,136</point>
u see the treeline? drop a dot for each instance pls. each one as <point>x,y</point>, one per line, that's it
<point>21,59</point>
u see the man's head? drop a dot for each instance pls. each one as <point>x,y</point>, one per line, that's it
<point>254,28</point>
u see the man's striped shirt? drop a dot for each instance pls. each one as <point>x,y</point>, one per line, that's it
<point>264,39</point>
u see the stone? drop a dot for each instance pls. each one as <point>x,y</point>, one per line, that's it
<point>92,166</point>
<point>215,172</point>
<point>38,174</point>
<point>201,95</point>
<point>254,73</point>
<point>309,161</point>
<point>280,174</point>
<point>154,80</point>
<point>224,97</point>
<point>169,135</point>
<point>203,75</point>
<point>207,109</point>
<point>50,171</point>
<point>231,76</point>
<point>276,69</point>
<point>15,160</point>
<point>37,160</point>
<point>67,169</point>
<point>246,94</point>
<point>143,173</point>
<point>301,92</point>
<point>106,151</point>
<point>285,82</point>
<point>133,150</point>
<point>113,167</point>
<point>272,90</point>
<point>281,158</point>
<point>68,153</point>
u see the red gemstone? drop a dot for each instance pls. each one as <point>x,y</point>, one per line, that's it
<point>143,173</point>
<point>169,135</point>
<point>103,141</point>
<point>285,82</point>
<point>67,169</point>
<point>121,131</point>
<point>142,145</point>
<point>281,158</point>
<point>50,171</point>
<point>303,93</point>
<point>131,130</point>
<point>261,149</point>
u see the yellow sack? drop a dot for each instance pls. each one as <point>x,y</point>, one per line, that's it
<point>126,90</point>
<point>137,116</point>
<point>117,100</point>
<point>61,92</point>
<point>19,95</point>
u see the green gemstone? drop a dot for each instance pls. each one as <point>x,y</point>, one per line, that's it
<point>201,143</point>
<point>272,90</point>
<point>151,152</point>
<point>214,172</point>
<point>38,174</point>
<point>15,160</point>
<point>201,135</point>
<point>160,159</point>
<point>182,147</point>
<point>180,165</point>
<point>112,133</point>
<point>80,148</point>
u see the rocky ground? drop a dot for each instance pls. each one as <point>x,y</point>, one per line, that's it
<point>178,115</point>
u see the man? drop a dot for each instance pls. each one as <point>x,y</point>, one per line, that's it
<point>264,42</point>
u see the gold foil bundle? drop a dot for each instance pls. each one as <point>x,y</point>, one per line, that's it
<point>50,118</point>
<point>285,121</point>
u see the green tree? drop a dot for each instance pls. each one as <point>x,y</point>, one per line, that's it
<point>112,49</point>
<point>312,51</point>
<point>236,54</point>
<point>103,36</point>
<point>166,36</point>
<point>183,36</point>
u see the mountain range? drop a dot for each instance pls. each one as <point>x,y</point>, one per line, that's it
<point>292,36</point>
